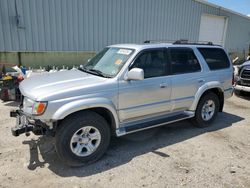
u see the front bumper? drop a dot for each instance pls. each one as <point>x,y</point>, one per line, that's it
<point>242,88</point>
<point>26,125</point>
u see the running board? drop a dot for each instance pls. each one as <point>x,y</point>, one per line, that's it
<point>134,127</point>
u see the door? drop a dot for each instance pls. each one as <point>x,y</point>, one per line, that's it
<point>140,98</point>
<point>213,29</point>
<point>186,77</point>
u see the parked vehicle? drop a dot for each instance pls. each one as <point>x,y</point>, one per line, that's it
<point>123,89</point>
<point>242,77</point>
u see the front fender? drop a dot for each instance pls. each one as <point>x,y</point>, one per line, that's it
<point>202,90</point>
<point>83,104</point>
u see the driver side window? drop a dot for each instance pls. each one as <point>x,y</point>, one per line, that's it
<point>152,62</point>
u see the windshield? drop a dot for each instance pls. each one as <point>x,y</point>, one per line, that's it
<point>108,62</point>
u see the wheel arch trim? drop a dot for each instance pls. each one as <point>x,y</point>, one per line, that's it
<point>85,104</point>
<point>204,88</point>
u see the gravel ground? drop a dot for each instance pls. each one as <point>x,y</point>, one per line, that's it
<point>176,155</point>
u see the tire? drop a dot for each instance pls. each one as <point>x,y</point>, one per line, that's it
<point>81,125</point>
<point>201,120</point>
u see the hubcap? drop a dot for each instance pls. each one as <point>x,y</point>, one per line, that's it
<point>208,110</point>
<point>85,141</point>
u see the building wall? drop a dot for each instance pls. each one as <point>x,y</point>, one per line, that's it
<point>89,25</point>
<point>44,59</point>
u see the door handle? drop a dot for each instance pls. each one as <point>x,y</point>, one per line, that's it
<point>163,85</point>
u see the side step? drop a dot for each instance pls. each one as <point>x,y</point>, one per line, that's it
<point>134,127</point>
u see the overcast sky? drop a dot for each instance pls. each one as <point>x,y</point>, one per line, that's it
<point>241,6</point>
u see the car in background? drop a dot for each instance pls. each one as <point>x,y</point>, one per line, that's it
<point>242,77</point>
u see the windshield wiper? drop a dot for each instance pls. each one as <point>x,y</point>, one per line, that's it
<point>94,71</point>
<point>100,73</point>
<point>83,69</point>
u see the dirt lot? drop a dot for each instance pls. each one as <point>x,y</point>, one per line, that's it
<point>176,155</point>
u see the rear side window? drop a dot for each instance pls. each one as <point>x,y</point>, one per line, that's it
<point>216,58</point>
<point>183,60</point>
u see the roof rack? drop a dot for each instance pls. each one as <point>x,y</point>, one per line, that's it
<point>185,41</point>
<point>158,41</point>
<point>181,41</point>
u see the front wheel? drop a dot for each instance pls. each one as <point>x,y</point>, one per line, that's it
<point>207,110</point>
<point>82,138</point>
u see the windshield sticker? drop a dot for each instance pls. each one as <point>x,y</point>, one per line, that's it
<point>118,62</point>
<point>124,51</point>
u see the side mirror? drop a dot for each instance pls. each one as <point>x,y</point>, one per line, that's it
<point>135,74</point>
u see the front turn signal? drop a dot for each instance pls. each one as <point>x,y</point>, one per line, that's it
<point>39,108</point>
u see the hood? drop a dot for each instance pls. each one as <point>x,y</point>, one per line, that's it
<point>59,85</point>
<point>247,63</point>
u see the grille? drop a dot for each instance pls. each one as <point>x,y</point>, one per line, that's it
<point>245,74</point>
<point>245,82</point>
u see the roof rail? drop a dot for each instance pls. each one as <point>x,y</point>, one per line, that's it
<point>185,41</point>
<point>181,41</point>
<point>158,41</point>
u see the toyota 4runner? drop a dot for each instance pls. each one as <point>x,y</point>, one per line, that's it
<point>123,89</point>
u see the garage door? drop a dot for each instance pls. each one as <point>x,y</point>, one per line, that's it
<point>213,28</point>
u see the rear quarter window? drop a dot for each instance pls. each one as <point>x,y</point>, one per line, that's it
<point>216,58</point>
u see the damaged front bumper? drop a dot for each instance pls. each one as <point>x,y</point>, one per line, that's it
<point>26,125</point>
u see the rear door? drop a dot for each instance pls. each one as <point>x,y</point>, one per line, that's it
<point>186,77</point>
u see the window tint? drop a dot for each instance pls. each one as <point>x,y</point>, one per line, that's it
<point>183,60</point>
<point>216,58</point>
<point>152,62</point>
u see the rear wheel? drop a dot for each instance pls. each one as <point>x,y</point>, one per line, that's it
<point>207,110</point>
<point>82,138</point>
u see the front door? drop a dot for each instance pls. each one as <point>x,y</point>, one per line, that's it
<point>151,96</point>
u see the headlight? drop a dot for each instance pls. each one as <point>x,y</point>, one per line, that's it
<point>39,108</point>
<point>33,107</point>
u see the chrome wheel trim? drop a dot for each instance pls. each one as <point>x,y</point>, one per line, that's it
<point>208,110</point>
<point>85,141</point>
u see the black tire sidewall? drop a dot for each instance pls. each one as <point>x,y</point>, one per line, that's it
<point>199,121</point>
<point>68,128</point>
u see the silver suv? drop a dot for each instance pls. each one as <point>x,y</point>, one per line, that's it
<point>123,89</point>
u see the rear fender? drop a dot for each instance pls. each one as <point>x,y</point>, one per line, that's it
<point>202,90</point>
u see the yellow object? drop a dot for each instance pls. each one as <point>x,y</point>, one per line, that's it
<point>118,62</point>
<point>7,78</point>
